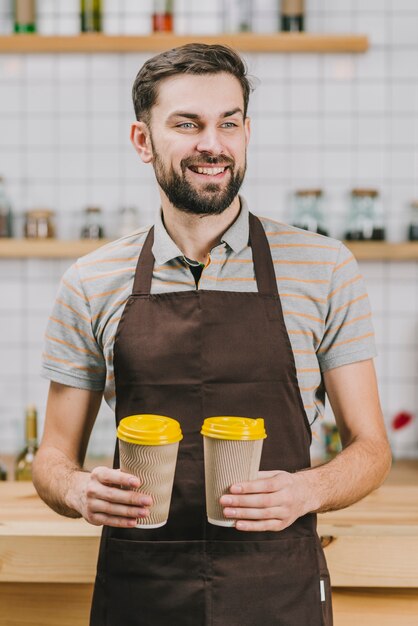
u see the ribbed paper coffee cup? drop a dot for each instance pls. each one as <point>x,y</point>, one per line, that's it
<point>232,451</point>
<point>148,446</point>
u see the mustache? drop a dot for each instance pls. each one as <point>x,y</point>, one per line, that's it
<point>206,159</point>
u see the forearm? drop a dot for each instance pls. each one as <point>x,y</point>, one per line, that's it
<point>55,477</point>
<point>356,471</point>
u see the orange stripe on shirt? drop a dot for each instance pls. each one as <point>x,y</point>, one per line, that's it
<point>67,362</point>
<point>355,319</point>
<point>124,270</point>
<point>307,262</point>
<point>304,332</point>
<point>309,317</point>
<point>74,290</point>
<point>316,281</point>
<point>344,306</point>
<point>70,327</point>
<point>113,260</point>
<point>106,293</point>
<point>304,352</point>
<point>302,245</point>
<point>71,345</point>
<point>70,308</point>
<point>302,232</point>
<point>229,280</point>
<point>344,285</point>
<point>341,343</point>
<point>297,295</point>
<point>307,369</point>
<point>344,263</point>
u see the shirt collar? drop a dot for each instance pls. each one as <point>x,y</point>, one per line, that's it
<point>236,237</point>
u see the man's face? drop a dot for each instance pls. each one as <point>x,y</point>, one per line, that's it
<point>199,139</point>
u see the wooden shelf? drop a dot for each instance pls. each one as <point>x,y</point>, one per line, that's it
<point>63,248</point>
<point>384,251</point>
<point>47,248</point>
<point>247,42</point>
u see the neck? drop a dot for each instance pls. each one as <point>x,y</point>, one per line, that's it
<point>196,235</point>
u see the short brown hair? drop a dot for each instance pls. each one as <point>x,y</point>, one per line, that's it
<point>192,58</point>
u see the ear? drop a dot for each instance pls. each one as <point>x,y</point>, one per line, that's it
<point>141,141</point>
<point>247,130</point>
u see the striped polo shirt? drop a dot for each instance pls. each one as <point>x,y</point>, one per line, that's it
<point>324,302</point>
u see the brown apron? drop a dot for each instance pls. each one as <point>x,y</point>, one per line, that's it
<point>191,355</point>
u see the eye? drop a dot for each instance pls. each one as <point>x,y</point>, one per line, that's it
<point>229,125</point>
<point>186,125</point>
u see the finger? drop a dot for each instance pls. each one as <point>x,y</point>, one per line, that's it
<point>257,500</point>
<point>261,485</point>
<point>253,514</point>
<point>268,474</point>
<point>110,509</point>
<point>117,522</point>
<point>257,526</point>
<point>119,496</point>
<point>108,476</point>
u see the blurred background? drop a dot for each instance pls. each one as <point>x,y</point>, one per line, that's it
<point>322,125</point>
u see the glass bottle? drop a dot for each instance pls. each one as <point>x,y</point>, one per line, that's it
<point>128,221</point>
<point>6,218</point>
<point>93,228</point>
<point>39,224</point>
<point>237,16</point>
<point>3,472</point>
<point>24,460</point>
<point>24,16</point>
<point>413,224</point>
<point>292,16</point>
<point>162,17</point>
<point>307,211</point>
<point>91,16</point>
<point>366,219</point>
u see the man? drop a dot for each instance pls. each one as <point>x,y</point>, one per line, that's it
<point>211,312</point>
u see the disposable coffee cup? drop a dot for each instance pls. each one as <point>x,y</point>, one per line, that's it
<point>148,447</point>
<point>232,452</point>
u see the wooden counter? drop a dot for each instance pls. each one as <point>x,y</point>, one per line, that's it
<point>47,562</point>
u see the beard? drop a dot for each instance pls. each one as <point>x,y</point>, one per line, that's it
<point>210,199</point>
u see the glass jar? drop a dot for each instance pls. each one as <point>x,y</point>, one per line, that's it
<point>292,15</point>
<point>237,16</point>
<point>413,222</point>
<point>366,219</point>
<point>128,221</point>
<point>39,224</point>
<point>162,17</point>
<point>91,16</point>
<point>307,212</point>
<point>93,227</point>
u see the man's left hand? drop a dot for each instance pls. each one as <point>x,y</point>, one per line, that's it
<point>271,502</point>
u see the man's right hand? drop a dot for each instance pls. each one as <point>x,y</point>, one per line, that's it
<point>108,497</point>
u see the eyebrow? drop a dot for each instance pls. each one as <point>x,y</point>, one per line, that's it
<point>196,116</point>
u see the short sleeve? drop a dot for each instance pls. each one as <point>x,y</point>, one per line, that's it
<point>71,354</point>
<point>348,335</point>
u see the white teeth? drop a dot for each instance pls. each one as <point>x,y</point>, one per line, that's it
<point>211,171</point>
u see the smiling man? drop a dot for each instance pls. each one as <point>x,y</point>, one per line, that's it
<point>211,311</point>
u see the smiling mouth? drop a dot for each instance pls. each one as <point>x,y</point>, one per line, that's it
<point>208,171</point>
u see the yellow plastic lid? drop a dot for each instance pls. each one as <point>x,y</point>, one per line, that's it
<point>236,428</point>
<point>149,430</point>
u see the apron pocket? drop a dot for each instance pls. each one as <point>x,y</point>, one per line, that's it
<point>155,583</point>
<point>271,582</point>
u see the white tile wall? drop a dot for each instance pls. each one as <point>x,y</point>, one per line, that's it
<point>333,121</point>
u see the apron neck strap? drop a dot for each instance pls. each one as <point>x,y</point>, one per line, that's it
<point>144,267</point>
<point>263,263</point>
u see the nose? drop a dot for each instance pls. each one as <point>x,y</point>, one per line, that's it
<point>210,141</point>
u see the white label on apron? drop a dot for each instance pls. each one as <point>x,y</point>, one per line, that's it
<point>322,588</point>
